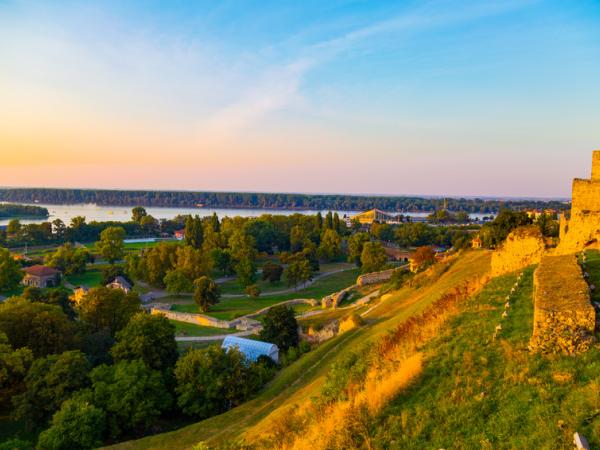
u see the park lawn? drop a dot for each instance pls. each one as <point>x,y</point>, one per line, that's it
<point>190,329</point>
<point>231,308</point>
<point>233,287</point>
<point>90,278</point>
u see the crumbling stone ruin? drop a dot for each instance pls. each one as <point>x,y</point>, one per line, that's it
<point>563,319</point>
<point>523,246</point>
<point>582,230</point>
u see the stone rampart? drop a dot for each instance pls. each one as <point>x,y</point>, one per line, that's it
<point>523,246</point>
<point>564,319</point>
<point>375,277</point>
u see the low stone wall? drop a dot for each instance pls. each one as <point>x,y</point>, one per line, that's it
<point>523,246</point>
<point>197,319</point>
<point>333,300</point>
<point>564,319</point>
<point>375,277</point>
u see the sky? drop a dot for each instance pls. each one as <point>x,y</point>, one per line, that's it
<point>490,98</point>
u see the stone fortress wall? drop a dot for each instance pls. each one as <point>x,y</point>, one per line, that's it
<point>523,247</point>
<point>582,230</point>
<point>564,319</point>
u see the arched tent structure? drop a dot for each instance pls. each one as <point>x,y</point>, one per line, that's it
<point>252,349</point>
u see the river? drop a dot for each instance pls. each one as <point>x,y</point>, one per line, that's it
<point>98,213</point>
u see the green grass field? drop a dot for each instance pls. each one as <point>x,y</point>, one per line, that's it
<point>303,379</point>
<point>91,278</point>
<point>230,308</point>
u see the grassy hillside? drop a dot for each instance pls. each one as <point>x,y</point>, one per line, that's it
<point>304,378</point>
<point>477,392</point>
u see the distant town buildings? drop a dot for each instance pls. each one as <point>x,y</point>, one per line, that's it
<point>41,276</point>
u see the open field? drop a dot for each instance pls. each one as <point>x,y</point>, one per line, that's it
<point>230,308</point>
<point>91,278</point>
<point>304,378</point>
<point>233,287</point>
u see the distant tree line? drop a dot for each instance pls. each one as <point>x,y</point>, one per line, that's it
<point>268,200</point>
<point>9,210</point>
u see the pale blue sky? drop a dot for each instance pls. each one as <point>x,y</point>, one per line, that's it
<point>414,97</point>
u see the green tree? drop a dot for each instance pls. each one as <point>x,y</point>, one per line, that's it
<point>132,395</point>
<point>194,231</point>
<point>330,247</point>
<point>176,282</point>
<point>253,290</point>
<point>108,308</point>
<point>43,328</point>
<point>373,257</point>
<point>280,327</point>
<point>221,260</point>
<point>51,296</point>
<point>298,272</point>
<point>328,221</point>
<point>150,338</point>
<point>192,262</point>
<point>59,229</point>
<point>14,227</point>
<point>78,425</point>
<point>68,259</point>
<point>211,381</point>
<point>10,271</point>
<point>111,245</point>
<point>150,225</point>
<point>272,272</point>
<point>138,213</point>
<point>206,293</point>
<point>48,383</point>
<point>14,365</point>
<point>297,238</point>
<point>245,270</point>
<point>355,247</point>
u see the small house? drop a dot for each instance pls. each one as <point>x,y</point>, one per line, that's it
<point>476,242</point>
<point>41,276</point>
<point>252,349</point>
<point>179,234</point>
<point>120,283</point>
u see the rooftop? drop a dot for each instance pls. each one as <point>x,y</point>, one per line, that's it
<point>41,271</point>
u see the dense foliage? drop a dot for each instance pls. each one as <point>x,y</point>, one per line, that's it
<point>10,210</point>
<point>266,200</point>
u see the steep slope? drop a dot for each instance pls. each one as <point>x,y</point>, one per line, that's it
<point>481,392</point>
<point>305,377</point>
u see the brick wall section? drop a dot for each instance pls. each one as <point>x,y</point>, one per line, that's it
<point>564,319</point>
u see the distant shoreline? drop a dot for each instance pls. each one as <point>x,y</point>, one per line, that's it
<point>267,201</point>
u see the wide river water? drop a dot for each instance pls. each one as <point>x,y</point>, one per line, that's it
<point>123,213</point>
